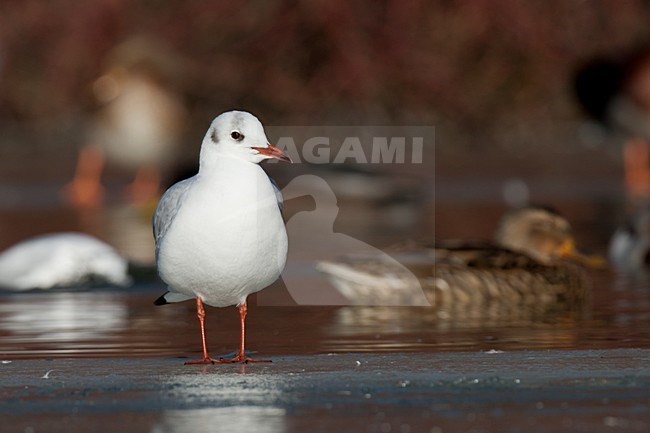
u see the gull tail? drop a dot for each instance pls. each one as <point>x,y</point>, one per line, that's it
<point>171,297</point>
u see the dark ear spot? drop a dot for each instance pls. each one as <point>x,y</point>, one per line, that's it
<point>214,135</point>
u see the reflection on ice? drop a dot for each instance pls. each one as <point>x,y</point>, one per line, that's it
<point>63,317</point>
<point>259,419</point>
<point>236,402</point>
<point>420,328</point>
<point>215,386</point>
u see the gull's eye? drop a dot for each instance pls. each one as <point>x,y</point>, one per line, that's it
<point>236,135</point>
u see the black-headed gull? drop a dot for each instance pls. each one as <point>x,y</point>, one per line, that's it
<point>220,234</point>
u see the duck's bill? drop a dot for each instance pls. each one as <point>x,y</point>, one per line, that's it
<point>273,152</point>
<point>570,252</point>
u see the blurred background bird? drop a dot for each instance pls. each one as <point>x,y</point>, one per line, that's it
<point>615,90</point>
<point>138,126</point>
<point>629,248</point>
<point>61,260</point>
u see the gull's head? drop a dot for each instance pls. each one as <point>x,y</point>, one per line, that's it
<point>241,135</point>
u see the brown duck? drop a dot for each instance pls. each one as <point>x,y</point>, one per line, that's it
<point>532,263</point>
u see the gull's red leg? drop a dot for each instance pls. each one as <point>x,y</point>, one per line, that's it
<point>241,354</point>
<point>200,312</point>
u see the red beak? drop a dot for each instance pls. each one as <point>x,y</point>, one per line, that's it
<point>273,152</point>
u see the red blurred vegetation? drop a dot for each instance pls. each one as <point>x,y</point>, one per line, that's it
<point>476,64</point>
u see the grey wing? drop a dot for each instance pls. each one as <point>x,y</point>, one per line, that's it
<point>278,194</point>
<point>167,209</point>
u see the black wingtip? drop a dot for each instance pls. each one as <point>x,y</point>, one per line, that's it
<point>161,300</point>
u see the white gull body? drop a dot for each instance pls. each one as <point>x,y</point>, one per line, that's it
<point>220,234</point>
